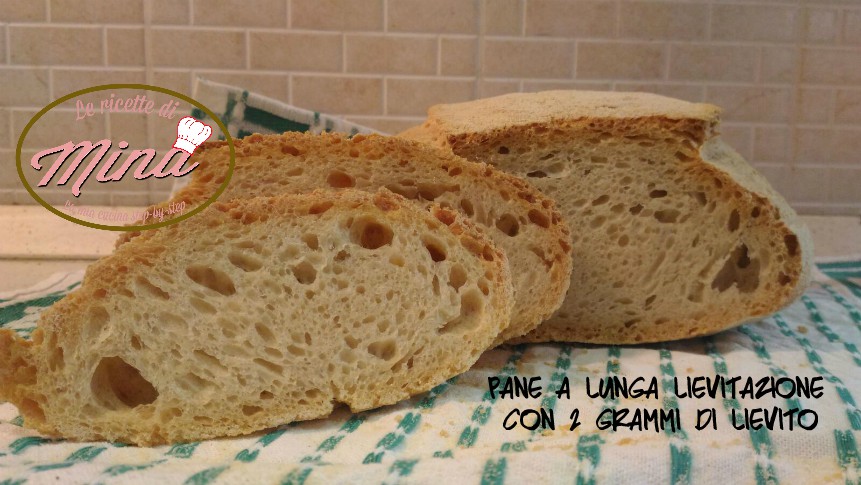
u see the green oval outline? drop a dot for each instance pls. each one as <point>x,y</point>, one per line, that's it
<point>105,87</point>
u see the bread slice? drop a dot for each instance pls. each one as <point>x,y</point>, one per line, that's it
<point>674,234</point>
<point>516,216</point>
<point>259,312</point>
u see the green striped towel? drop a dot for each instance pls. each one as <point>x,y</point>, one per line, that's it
<point>245,113</point>
<point>454,433</point>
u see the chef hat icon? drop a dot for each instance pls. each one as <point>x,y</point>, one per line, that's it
<point>190,133</point>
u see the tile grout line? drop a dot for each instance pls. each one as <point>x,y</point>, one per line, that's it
<point>105,46</point>
<point>343,53</point>
<point>478,58</point>
<point>247,49</point>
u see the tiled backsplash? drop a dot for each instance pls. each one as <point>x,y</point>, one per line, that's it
<point>786,72</point>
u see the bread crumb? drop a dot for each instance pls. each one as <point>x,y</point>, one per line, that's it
<point>802,329</point>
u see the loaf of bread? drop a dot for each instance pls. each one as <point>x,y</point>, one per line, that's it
<point>259,312</point>
<point>516,216</point>
<point>674,234</point>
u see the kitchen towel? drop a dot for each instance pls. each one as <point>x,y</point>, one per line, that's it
<point>455,433</point>
<point>244,113</point>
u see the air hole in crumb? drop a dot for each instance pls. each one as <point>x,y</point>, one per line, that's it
<point>311,241</point>
<point>597,222</point>
<point>289,149</point>
<point>270,366</point>
<point>408,192</point>
<point>431,191</point>
<point>304,272</point>
<point>208,360</point>
<point>539,174</point>
<point>695,293</point>
<point>384,349</point>
<point>484,286</point>
<point>251,410</point>
<point>667,215</point>
<point>466,207</point>
<point>487,253</point>
<point>783,279</point>
<point>266,395</point>
<point>435,248</point>
<point>739,270</point>
<point>457,276</point>
<point>117,384</point>
<point>636,209</point>
<point>601,200</point>
<point>150,289</point>
<point>340,180</point>
<point>264,332</point>
<point>732,224</point>
<point>252,245</point>
<point>213,279</point>
<point>446,217</point>
<point>508,224</point>
<point>791,242</point>
<point>539,218</point>
<point>244,261</point>
<point>296,350</point>
<point>471,306</point>
<point>201,305</point>
<point>320,207</point>
<point>370,234</point>
<point>32,410</point>
<point>657,194</point>
<point>754,213</point>
<point>503,150</point>
<point>682,157</point>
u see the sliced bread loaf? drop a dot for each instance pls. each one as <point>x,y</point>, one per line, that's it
<point>516,216</point>
<point>259,312</point>
<point>674,234</point>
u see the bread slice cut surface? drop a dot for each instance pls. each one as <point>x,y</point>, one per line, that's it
<point>674,235</point>
<point>514,214</point>
<point>259,312</point>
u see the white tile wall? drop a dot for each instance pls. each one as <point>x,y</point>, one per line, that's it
<point>786,72</point>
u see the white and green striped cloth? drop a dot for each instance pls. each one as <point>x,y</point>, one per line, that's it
<point>244,113</point>
<point>454,434</point>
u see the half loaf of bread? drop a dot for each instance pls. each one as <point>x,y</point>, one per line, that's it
<point>259,312</point>
<point>674,234</point>
<point>516,216</point>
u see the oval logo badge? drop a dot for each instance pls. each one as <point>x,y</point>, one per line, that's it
<point>86,155</point>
